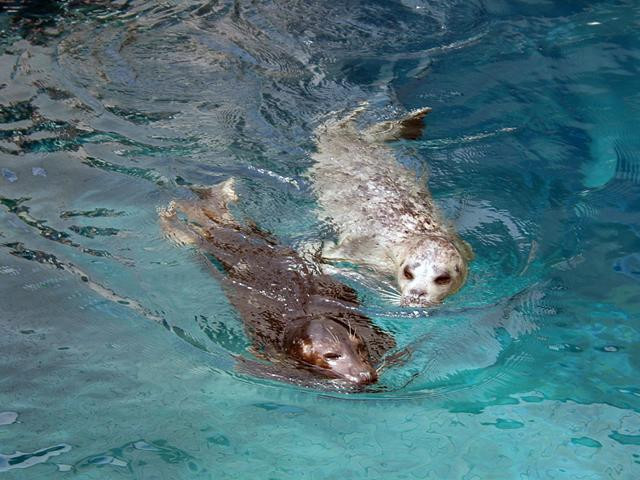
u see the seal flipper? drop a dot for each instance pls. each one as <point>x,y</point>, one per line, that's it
<point>216,199</point>
<point>173,228</point>
<point>211,209</point>
<point>407,128</point>
<point>349,120</point>
<point>223,191</point>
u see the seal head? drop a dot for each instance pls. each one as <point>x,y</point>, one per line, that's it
<point>432,268</point>
<point>324,344</point>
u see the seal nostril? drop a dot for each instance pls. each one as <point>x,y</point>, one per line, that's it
<point>418,293</point>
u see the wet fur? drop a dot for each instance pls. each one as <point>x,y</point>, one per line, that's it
<point>379,209</point>
<point>268,283</point>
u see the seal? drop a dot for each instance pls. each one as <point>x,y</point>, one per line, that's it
<point>385,219</point>
<point>296,317</point>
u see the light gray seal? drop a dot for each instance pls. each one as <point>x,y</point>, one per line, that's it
<point>384,217</point>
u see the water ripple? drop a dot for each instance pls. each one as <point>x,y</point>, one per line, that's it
<point>26,460</point>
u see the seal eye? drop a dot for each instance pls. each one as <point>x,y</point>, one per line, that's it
<point>332,356</point>
<point>407,273</point>
<point>444,279</point>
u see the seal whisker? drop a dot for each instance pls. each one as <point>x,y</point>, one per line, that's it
<point>389,289</point>
<point>381,366</point>
<point>389,296</point>
<point>393,301</point>
<point>352,332</point>
<point>394,298</point>
<point>388,293</point>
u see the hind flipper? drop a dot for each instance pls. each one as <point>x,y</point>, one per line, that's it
<point>215,200</point>
<point>407,128</point>
<point>346,123</point>
<point>355,113</point>
<point>173,228</point>
<point>220,192</point>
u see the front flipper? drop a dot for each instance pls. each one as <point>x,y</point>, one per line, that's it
<point>364,251</point>
<point>332,252</point>
<point>347,250</point>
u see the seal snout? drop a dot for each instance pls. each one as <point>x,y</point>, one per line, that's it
<point>364,377</point>
<point>417,302</point>
<point>418,298</point>
<point>356,370</point>
<point>414,292</point>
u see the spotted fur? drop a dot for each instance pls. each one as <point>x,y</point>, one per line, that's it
<point>385,217</point>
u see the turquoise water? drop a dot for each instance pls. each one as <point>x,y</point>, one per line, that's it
<point>117,348</point>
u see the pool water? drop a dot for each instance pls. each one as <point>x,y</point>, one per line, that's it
<point>118,349</point>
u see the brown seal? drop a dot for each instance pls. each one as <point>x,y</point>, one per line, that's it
<point>295,317</point>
